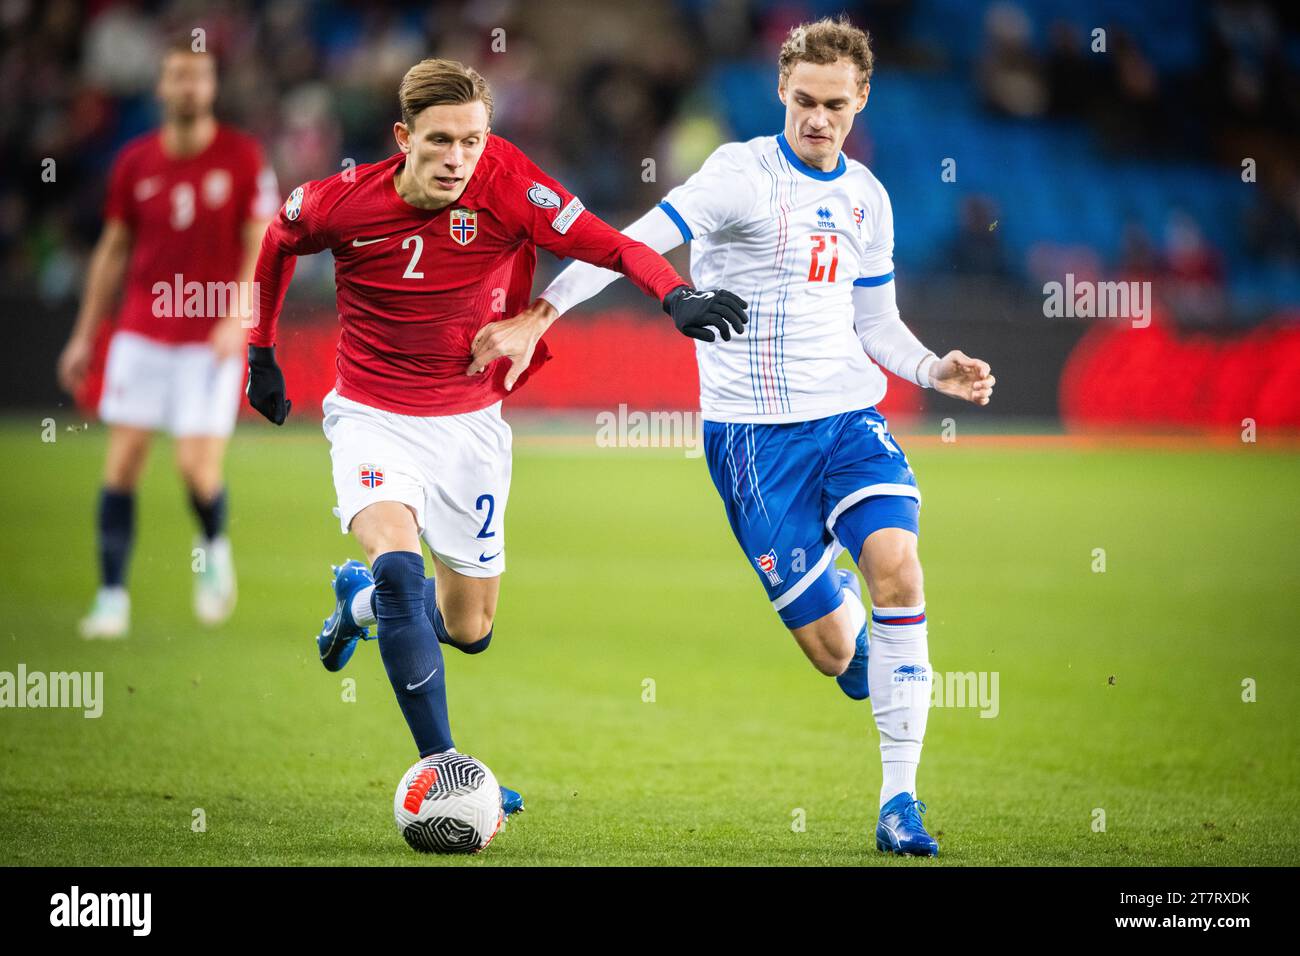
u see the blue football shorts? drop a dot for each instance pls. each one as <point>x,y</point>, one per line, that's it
<point>798,494</point>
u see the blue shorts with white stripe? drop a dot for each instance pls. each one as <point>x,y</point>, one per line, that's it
<point>797,494</point>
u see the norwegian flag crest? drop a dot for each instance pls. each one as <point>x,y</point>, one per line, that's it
<point>464,226</point>
<point>372,476</point>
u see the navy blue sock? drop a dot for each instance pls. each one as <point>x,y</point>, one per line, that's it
<point>410,651</point>
<point>440,627</point>
<point>116,520</point>
<point>211,514</point>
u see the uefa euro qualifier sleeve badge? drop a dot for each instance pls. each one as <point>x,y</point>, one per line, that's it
<point>464,225</point>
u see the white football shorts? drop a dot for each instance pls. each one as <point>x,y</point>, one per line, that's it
<point>453,471</point>
<point>178,388</point>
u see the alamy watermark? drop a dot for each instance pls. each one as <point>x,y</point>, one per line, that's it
<point>974,689</point>
<point>638,429</point>
<point>75,908</point>
<point>1085,299</point>
<point>179,299</point>
<point>83,690</point>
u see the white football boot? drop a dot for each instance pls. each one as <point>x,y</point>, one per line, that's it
<point>214,582</point>
<point>109,617</point>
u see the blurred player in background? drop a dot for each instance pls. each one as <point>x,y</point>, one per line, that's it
<point>429,245</point>
<point>186,204</point>
<point>803,461</point>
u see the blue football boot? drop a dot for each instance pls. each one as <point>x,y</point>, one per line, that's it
<point>339,635</point>
<point>854,679</point>
<point>511,801</point>
<point>900,829</point>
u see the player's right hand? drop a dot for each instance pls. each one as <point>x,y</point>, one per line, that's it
<point>266,384</point>
<point>74,362</point>
<point>697,313</point>
<point>513,339</point>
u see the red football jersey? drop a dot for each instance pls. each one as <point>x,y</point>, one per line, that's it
<point>187,219</point>
<point>415,285</point>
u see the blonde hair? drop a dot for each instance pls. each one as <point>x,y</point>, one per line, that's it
<point>438,82</point>
<point>827,41</point>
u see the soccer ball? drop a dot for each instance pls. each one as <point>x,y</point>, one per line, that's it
<point>448,803</point>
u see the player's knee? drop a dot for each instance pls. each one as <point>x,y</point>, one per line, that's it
<point>384,538</point>
<point>399,585</point>
<point>124,466</point>
<point>830,661</point>
<point>893,570</point>
<point>901,585</point>
<point>828,650</point>
<point>479,646</point>
<point>471,630</point>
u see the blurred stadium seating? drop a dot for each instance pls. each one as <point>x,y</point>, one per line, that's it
<point>1123,163</point>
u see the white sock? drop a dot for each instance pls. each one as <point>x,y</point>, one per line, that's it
<point>362,612</point>
<point>899,675</point>
<point>900,775</point>
<point>857,613</point>
<point>115,597</point>
<point>857,617</point>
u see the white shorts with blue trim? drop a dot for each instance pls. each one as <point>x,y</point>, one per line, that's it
<point>182,389</point>
<point>452,471</point>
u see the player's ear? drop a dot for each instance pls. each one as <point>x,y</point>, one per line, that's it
<point>862,97</point>
<point>403,136</point>
<point>780,92</point>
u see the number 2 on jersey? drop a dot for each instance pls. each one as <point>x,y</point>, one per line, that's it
<point>491,503</point>
<point>816,271</point>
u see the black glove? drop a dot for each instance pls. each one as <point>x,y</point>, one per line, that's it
<point>697,314</point>
<point>266,384</point>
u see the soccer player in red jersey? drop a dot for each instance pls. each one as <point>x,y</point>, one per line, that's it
<point>430,246</point>
<point>186,208</point>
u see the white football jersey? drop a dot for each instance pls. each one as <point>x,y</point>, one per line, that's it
<point>792,241</point>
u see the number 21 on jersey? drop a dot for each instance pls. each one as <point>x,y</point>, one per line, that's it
<point>824,248</point>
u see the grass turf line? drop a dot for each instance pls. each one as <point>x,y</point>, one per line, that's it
<point>622,569</point>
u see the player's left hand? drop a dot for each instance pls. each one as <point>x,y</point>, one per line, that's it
<point>959,375</point>
<point>265,388</point>
<point>514,339</point>
<point>228,338</point>
<point>697,313</point>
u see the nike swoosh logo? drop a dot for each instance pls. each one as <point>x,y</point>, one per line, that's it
<point>366,242</point>
<point>487,557</point>
<point>423,682</point>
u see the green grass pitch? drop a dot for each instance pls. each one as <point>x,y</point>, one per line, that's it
<point>1119,692</point>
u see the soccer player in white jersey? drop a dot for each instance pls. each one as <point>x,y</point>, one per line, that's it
<point>804,463</point>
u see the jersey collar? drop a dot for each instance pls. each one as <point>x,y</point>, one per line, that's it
<point>811,172</point>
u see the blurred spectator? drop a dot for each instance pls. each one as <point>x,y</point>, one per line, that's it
<point>1193,280</point>
<point>1073,72</point>
<point>1272,224</point>
<point>1133,117</point>
<point>1011,74</point>
<point>595,88</point>
<point>1139,255</point>
<point>977,248</point>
